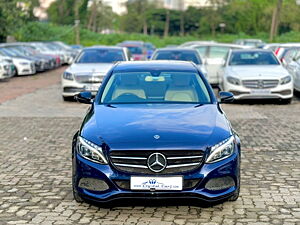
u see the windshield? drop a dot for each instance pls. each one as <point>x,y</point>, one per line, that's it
<point>178,55</point>
<point>100,56</point>
<point>155,87</point>
<point>253,58</point>
<point>8,52</point>
<point>135,50</point>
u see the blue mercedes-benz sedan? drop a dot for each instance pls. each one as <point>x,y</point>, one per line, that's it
<point>155,130</point>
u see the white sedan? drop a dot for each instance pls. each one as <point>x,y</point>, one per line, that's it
<point>256,74</point>
<point>89,69</point>
<point>6,70</point>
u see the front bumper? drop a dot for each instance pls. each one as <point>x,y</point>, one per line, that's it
<point>280,92</point>
<point>71,88</point>
<point>198,191</point>
<point>26,69</point>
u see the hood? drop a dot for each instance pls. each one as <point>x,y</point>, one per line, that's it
<point>178,126</point>
<point>253,72</point>
<point>90,67</point>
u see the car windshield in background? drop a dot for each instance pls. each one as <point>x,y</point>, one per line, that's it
<point>155,87</point>
<point>135,50</point>
<point>253,58</point>
<point>178,55</point>
<point>100,56</point>
<point>216,52</point>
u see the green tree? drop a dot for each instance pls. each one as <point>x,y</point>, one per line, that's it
<point>13,15</point>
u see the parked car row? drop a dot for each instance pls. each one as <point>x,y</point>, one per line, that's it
<point>27,58</point>
<point>247,72</point>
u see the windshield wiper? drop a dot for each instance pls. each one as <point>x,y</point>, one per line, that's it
<point>196,106</point>
<point>110,105</point>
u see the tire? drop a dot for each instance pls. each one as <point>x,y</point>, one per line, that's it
<point>286,101</point>
<point>76,196</point>
<point>236,193</point>
<point>68,98</point>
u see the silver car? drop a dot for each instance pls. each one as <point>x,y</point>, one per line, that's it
<point>214,55</point>
<point>182,54</point>
<point>292,64</point>
<point>6,69</point>
<point>89,69</point>
<point>256,74</point>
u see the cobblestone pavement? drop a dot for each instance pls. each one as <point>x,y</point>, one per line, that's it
<point>35,168</point>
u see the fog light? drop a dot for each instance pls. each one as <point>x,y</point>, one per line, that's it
<point>220,183</point>
<point>93,184</point>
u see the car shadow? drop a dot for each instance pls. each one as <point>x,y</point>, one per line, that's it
<point>156,203</point>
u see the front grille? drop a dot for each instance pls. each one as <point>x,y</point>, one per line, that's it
<point>88,79</point>
<point>260,84</point>
<point>135,161</point>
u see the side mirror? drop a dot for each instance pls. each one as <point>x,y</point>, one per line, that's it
<point>226,97</point>
<point>84,97</point>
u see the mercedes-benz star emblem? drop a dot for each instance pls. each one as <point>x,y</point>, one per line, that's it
<point>156,137</point>
<point>157,162</point>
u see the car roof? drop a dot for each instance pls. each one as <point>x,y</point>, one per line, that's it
<point>103,47</point>
<point>177,49</point>
<point>164,65</point>
<point>252,50</point>
<point>219,45</point>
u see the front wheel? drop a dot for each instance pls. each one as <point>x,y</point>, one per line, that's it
<point>286,101</point>
<point>68,98</point>
<point>76,196</point>
<point>236,193</point>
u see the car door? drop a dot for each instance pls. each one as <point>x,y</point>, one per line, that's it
<point>215,59</point>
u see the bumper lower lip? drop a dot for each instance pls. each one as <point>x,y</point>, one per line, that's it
<point>85,168</point>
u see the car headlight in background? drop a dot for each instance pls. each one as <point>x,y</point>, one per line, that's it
<point>68,76</point>
<point>233,80</point>
<point>90,151</point>
<point>221,151</point>
<point>286,80</point>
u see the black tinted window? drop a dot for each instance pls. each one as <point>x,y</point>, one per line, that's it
<point>178,55</point>
<point>253,58</point>
<point>100,56</point>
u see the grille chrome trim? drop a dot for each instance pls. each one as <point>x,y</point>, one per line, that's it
<point>136,161</point>
<point>88,78</point>
<point>124,157</point>
<point>183,165</point>
<point>185,157</point>
<point>131,165</point>
<point>260,84</point>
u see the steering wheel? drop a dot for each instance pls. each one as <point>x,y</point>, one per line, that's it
<point>128,95</point>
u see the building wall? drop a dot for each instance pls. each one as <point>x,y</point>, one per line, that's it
<point>118,6</point>
<point>41,12</point>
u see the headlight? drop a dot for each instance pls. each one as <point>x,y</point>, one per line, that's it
<point>233,80</point>
<point>68,76</point>
<point>24,63</point>
<point>90,151</point>
<point>285,80</point>
<point>221,151</point>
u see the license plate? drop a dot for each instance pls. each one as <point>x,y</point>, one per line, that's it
<point>91,88</point>
<point>156,183</point>
<point>260,91</point>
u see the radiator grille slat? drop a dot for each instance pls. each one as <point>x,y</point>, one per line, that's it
<point>260,84</point>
